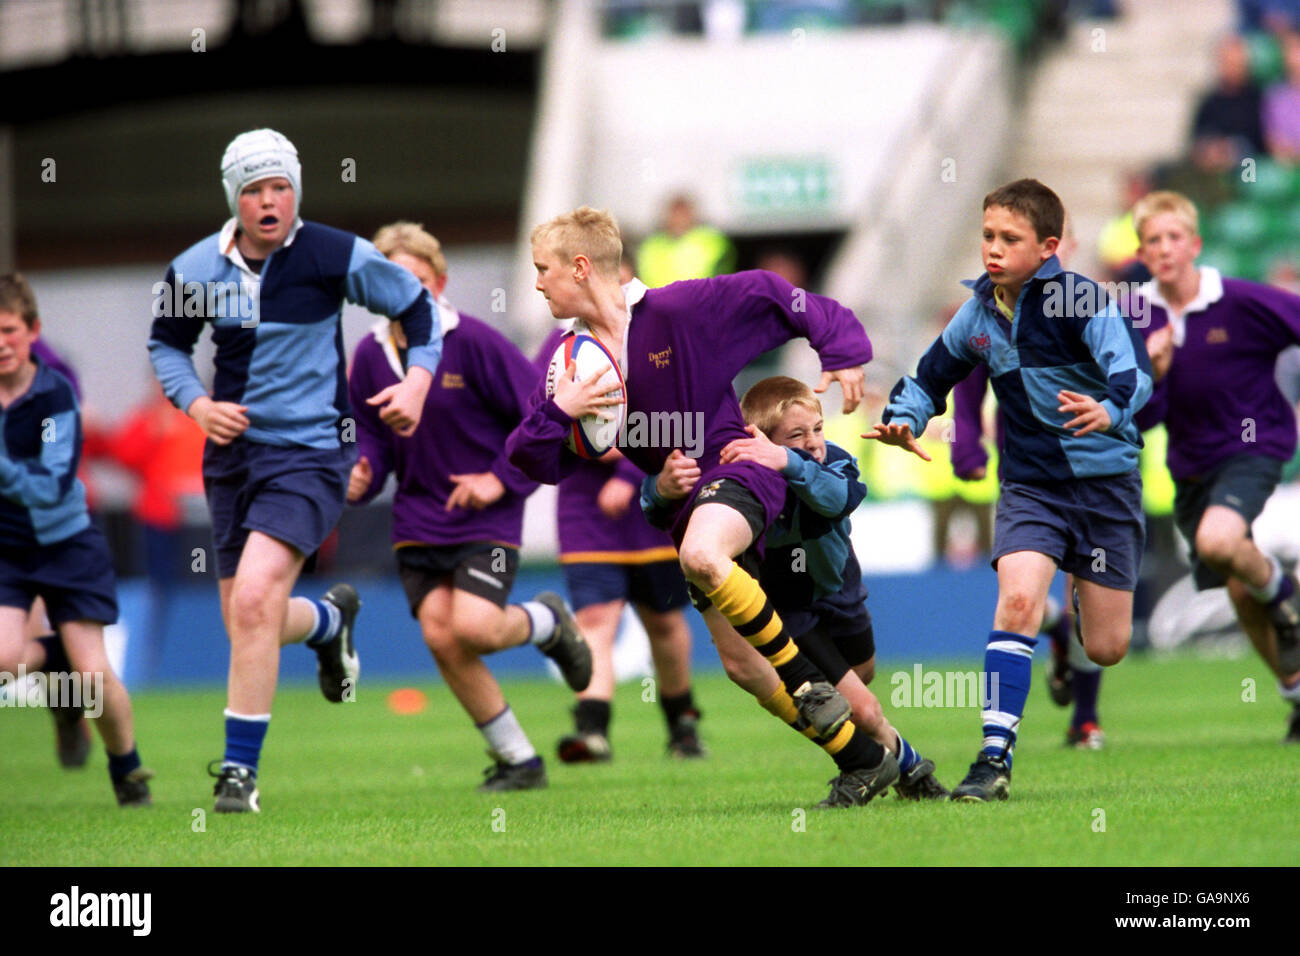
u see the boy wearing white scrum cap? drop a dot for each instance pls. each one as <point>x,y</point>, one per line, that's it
<point>281,439</point>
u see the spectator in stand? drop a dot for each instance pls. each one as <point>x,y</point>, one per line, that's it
<point>1228,126</point>
<point>1274,16</point>
<point>684,249</point>
<point>1282,106</point>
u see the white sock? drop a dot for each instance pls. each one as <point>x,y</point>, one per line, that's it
<point>506,738</point>
<point>541,621</point>
<point>1269,591</point>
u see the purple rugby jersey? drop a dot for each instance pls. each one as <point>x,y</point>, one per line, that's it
<point>585,533</point>
<point>480,392</point>
<point>683,345</point>
<point>1221,378</point>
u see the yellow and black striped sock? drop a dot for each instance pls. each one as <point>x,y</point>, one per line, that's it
<point>849,749</point>
<point>742,602</point>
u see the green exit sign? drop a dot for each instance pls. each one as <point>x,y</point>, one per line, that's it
<point>796,185</point>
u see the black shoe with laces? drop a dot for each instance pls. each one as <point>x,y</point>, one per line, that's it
<point>684,737</point>
<point>920,783</point>
<point>529,775</point>
<point>1285,618</point>
<point>567,647</point>
<point>988,779</point>
<point>855,788</point>
<point>337,664</point>
<point>133,789</point>
<point>235,790</point>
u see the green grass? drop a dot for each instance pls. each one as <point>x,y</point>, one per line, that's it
<point>1192,775</point>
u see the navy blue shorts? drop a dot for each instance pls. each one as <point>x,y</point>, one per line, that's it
<point>659,585</point>
<point>1092,528</point>
<point>292,493</point>
<point>838,642</point>
<point>1242,483</point>
<point>74,576</point>
<point>485,569</point>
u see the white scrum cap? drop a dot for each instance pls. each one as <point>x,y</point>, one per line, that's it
<point>259,154</point>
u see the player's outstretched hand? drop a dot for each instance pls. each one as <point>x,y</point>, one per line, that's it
<point>223,422</point>
<point>900,435</point>
<point>587,397</point>
<point>360,478</point>
<point>756,448</point>
<point>475,491</point>
<point>851,383</point>
<point>1160,348</point>
<point>403,403</point>
<point>1089,414</point>
<point>615,497</point>
<point>678,476</point>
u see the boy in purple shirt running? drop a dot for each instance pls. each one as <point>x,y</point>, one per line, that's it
<point>611,556</point>
<point>459,509</point>
<point>680,347</point>
<point>1213,344</point>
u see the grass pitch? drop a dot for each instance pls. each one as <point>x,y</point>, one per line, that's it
<point>1193,774</point>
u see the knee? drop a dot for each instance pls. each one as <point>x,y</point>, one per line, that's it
<point>1108,647</point>
<point>1019,612</point>
<point>1239,594</point>
<point>1216,548</point>
<point>438,638</point>
<point>703,565</point>
<point>250,608</point>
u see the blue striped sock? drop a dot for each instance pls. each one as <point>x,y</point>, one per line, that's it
<point>244,736</point>
<point>1008,666</point>
<point>328,622</point>
<point>119,765</point>
<point>907,757</point>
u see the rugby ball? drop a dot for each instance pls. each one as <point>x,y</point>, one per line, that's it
<point>591,435</point>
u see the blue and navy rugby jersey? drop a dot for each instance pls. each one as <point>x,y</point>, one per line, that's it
<point>278,335</point>
<point>815,519</point>
<point>41,498</point>
<point>1065,334</point>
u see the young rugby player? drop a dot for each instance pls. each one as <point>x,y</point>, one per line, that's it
<point>1214,343</point>
<point>680,347</point>
<point>809,567</point>
<point>1071,493</point>
<point>611,556</point>
<point>279,448</point>
<point>459,509</point>
<point>51,551</point>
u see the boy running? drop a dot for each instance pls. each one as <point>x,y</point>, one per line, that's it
<point>459,509</point>
<point>1214,343</point>
<point>50,550</point>
<point>1071,493</point>
<point>679,348</point>
<point>279,447</point>
<point>819,591</point>
<point>611,556</point>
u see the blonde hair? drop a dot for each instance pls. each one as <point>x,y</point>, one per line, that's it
<point>1158,203</point>
<point>585,231</point>
<point>410,238</point>
<point>767,401</point>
